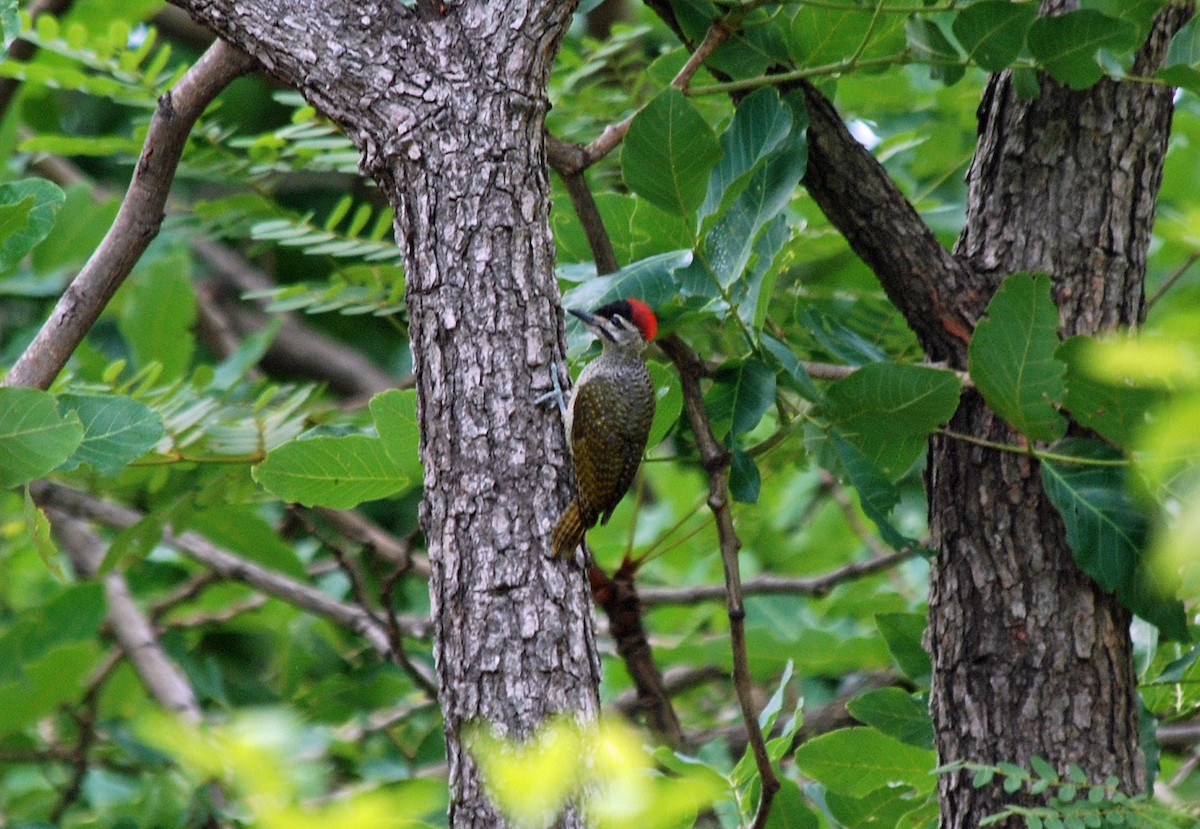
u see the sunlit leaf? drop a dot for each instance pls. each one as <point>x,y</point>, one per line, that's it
<point>336,472</point>
<point>856,761</point>
<point>34,436</point>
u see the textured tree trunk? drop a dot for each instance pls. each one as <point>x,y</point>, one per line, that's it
<point>1029,656</point>
<point>447,105</point>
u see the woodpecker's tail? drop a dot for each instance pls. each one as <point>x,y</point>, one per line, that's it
<point>568,532</point>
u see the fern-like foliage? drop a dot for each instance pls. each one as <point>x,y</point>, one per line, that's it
<point>119,64</point>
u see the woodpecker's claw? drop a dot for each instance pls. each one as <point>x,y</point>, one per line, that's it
<point>555,394</point>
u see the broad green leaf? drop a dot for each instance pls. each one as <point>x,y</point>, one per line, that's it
<point>760,124</point>
<point>1138,12</point>
<point>79,228</point>
<point>10,20</point>
<point>242,530</point>
<point>31,206</point>
<point>790,810</point>
<point>135,542</point>
<point>1106,527</point>
<point>993,31</point>
<point>668,403</point>
<point>395,415</point>
<point>1182,67</point>
<point>34,437</point>
<point>903,633</point>
<point>161,311</point>
<point>745,481</point>
<point>729,244</point>
<point>668,153</point>
<point>928,43</point>
<point>1011,357</point>
<point>1067,44</point>
<point>875,810</point>
<point>838,339</point>
<point>1115,411</point>
<point>650,280</point>
<point>876,493</point>
<point>116,430</point>
<point>73,614</point>
<point>1107,531</point>
<point>38,527</point>
<point>753,293</point>
<point>888,411</point>
<point>856,761</point>
<point>336,472</point>
<point>49,682</point>
<point>794,372</point>
<point>894,712</point>
<point>821,35</point>
<point>740,396</point>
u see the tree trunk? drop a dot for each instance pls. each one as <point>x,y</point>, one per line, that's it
<point>447,106</point>
<point>1029,656</point>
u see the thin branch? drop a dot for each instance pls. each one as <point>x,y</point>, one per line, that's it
<point>231,566</point>
<point>358,528</point>
<point>572,159</point>
<point>137,221</point>
<point>716,459</point>
<point>674,681</point>
<point>815,586</point>
<point>1170,281</point>
<point>164,680</point>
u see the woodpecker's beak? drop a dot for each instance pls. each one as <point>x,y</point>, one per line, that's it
<point>593,322</point>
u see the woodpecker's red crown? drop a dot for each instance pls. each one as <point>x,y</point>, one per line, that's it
<point>635,311</point>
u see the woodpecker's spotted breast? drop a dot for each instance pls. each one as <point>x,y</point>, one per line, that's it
<point>608,419</point>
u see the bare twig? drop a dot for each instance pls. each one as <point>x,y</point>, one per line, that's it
<point>232,566</point>
<point>1170,281</point>
<point>674,681</point>
<point>132,630</point>
<point>137,222</point>
<point>358,528</point>
<point>618,597</point>
<point>571,159</point>
<point>716,458</point>
<point>776,585</point>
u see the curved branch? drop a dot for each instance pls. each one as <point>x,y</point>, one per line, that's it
<point>137,222</point>
<point>132,630</point>
<point>231,566</point>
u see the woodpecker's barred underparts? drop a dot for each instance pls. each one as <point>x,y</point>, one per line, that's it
<point>608,418</point>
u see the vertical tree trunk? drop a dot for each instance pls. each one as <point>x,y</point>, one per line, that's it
<point>514,640</point>
<point>1029,656</point>
<point>446,103</point>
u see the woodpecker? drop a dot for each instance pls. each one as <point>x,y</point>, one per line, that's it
<point>608,418</point>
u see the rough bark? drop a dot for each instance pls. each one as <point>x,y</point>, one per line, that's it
<point>1030,657</point>
<point>447,106</point>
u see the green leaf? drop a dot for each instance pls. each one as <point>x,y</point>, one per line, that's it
<point>928,43</point>
<point>1067,44</point>
<point>790,809</point>
<point>1106,528</point>
<point>876,810</point>
<point>1140,13</point>
<point>651,280</point>
<point>740,396</point>
<point>1182,66</point>
<point>116,430</point>
<point>903,633</point>
<point>728,246</point>
<point>821,35</point>
<point>668,404</point>
<point>766,717</point>
<point>1107,531</point>
<point>395,415</point>
<point>34,437</point>
<point>336,472</point>
<point>888,410</point>
<point>795,374</point>
<point>668,153</point>
<point>856,761</point>
<point>242,530</point>
<point>158,319</point>
<point>896,713</point>
<point>993,31</point>
<point>1115,411</point>
<point>745,481</point>
<point>30,207</point>
<point>1011,357</point>
<point>10,20</point>
<point>760,124</point>
<point>876,493</point>
<point>38,527</point>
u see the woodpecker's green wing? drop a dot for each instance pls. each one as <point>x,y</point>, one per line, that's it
<point>612,416</point>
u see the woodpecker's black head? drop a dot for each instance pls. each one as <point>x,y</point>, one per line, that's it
<point>624,322</point>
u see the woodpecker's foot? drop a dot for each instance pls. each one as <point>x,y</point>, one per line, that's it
<point>555,394</point>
